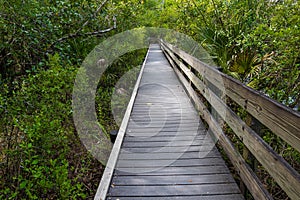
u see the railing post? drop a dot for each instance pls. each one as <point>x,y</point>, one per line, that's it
<point>254,124</point>
<point>246,154</point>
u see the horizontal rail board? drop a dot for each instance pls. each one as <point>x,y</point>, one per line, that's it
<point>281,120</point>
<point>278,168</point>
<point>250,179</point>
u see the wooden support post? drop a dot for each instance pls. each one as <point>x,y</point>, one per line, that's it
<point>247,155</point>
<point>256,126</point>
<point>243,187</point>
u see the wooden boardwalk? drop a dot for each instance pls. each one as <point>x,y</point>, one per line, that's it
<point>166,152</point>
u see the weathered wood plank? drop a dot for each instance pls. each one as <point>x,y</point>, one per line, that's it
<point>167,122</point>
<point>281,120</point>
<point>173,180</point>
<point>162,114</point>
<point>201,197</point>
<point>172,151</point>
<point>167,149</point>
<point>163,156</point>
<point>165,134</point>
<point>170,109</point>
<point>164,129</point>
<point>156,117</point>
<point>250,179</point>
<point>287,177</point>
<point>164,124</point>
<point>148,117</point>
<point>164,144</point>
<point>177,163</point>
<point>198,170</point>
<point>163,139</point>
<point>280,170</point>
<point>139,105</point>
<point>174,190</point>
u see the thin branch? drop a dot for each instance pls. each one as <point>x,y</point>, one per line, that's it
<point>95,13</point>
<point>98,32</point>
<point>78,34</point>
<point>74,35</point>
<point>84,34</point>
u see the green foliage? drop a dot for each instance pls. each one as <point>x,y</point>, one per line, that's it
<point>279,34</point>
<point>32,29</point>
<point>42,42</point>
<point>107,85</point>
<point>256,42</point>
<point>36,137</point>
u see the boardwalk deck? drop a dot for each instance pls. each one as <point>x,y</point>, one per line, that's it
<point>166,152</point>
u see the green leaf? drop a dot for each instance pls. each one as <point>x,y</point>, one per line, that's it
<point>35,162</point>
<point>23,184</point>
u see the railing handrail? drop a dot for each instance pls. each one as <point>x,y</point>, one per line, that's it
<point>285,122</point>
<point>280,119</point>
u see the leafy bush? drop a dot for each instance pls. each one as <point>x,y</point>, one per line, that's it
<point>37,138</point>
<point>33,29</point>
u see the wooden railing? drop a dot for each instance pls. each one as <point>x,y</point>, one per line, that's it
<point>198,77</point>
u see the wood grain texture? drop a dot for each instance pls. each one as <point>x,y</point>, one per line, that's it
<point>278,118</point>
<point>174,190</point>
<point>173,180</point>
<point>166,151</point>
<point>182,197</point>
<point>279,169</point>
<point>251,180</point>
